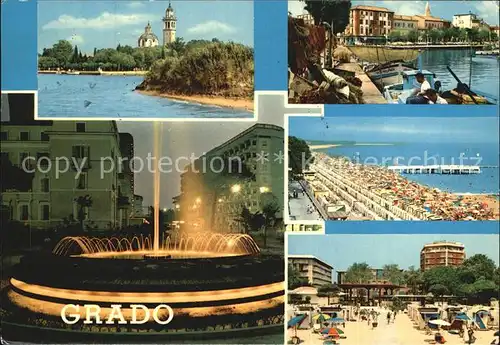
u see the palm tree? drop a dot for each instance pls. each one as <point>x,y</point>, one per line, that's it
<point>83,202</point>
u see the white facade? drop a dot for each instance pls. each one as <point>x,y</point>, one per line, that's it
<point>466,21</point>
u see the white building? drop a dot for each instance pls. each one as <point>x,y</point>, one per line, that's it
<point>50,196</point>
<point>202,191</point>
<point>148,38</point>
<point>467,21</point>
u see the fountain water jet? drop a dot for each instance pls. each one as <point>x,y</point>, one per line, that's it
<point>157,137</point>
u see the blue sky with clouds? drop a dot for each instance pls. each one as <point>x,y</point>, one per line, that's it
<point>488,10</point>
<point>341,251</point>
<point>104,24</point>
<point>397,129</point>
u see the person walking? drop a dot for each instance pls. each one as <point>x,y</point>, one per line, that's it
<point>388,317</point>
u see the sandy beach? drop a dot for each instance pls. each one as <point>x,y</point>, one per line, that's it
<point>401,332</point>
<point>246,104</point>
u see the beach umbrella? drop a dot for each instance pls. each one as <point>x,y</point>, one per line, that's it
<point>497,334</point>
<point>320,317</point>
<point>440,322</point>
<point>332,332</point>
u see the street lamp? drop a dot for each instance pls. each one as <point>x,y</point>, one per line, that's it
<point>236,188</point>
<point>264,189</point>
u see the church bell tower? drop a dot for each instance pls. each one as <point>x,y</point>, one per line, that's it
<point>169,25</point>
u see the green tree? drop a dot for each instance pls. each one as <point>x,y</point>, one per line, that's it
<point>395,36</point>
<point>443,275</point>
<point>413,36</point>
<point>47,62</point>
<point>334,12</point>
<point>329,291</point>
<point>74,57</point>
<point>393,274</point>
<point>270,208</point>
<point>299,154</point>
<point>358,273</point>
<point>62,51</point>
<point>481,266</point>
<point>413,279</point>
<point>397,304</point>
<point>294,278</point>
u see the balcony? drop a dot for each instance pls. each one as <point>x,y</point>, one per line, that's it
<point>123,201</point>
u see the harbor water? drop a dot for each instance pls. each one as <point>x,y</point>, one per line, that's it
<point>113,96</point>
<point>484,155</point>
<point>484,70</point>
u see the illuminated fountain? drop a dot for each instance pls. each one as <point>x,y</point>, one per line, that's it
<point>217,285</point>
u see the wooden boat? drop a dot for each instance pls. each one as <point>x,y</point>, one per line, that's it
<point>399,92</point>
<point>72,72</point>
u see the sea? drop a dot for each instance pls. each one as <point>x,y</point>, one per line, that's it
<point>114,97</point>
<point>484,155</point>
<point>484,70</point>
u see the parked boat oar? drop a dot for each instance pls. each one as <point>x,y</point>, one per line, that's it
<point>466,87</point>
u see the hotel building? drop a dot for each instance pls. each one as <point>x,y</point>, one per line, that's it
<point>467,21</point>
<point>316,271</point>
<point>213,199</point>
<point>441,254</point>
<point>46,197</point>
<point>369,21</point>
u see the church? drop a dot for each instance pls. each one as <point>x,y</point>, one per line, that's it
<point>149,39</point>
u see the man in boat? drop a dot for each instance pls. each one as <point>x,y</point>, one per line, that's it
<point>434,97</point>
<point>424,85</point>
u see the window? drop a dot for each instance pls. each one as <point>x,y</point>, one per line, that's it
<point>82,181</point>
<point>24,136</point>
<point>24,213</point>
<point>45,212</point>
<point>81,151</point>
<point>44,136</point>
<point>44,185</point>
<point>80,127</point>
<point>4,135</point>
<point>42,158</point>
<point>22,157</point>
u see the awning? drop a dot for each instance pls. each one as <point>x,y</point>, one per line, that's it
<point>296,320</point>
<point>462,317</point>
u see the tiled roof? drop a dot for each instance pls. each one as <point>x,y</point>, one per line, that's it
<point>371,8</point>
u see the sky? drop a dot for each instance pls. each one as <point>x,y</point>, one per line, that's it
<point>181,139</point>
<point>104,24</point>
<point>396,129</point>
<point>488,10</point>
<point>341,251</point>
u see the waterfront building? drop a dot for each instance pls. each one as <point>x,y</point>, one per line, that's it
<point>138,206</point>
<point>148,38</point>
<point>404,24</point>
<point>467,21</point>
<point>427,21</point>
<point>496,30</point>
<point>369,21</point>
<point>441,254</point>
<point>307,17</point>
<point>316,271</point>
<point>211,198</point>
<point>169,25</point>
<point>45,197</point>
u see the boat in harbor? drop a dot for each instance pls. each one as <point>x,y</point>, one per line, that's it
<point>385,65</point>
<point>72,72</point>
<point>397,93</point>
<point>492,54</point>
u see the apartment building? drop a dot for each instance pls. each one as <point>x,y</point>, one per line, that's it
<point>212,197</point>
<point>441,254</point>
<point>316,271</point>
<point>369,21</point>
<point>33,150</point>
<point>404,24</point>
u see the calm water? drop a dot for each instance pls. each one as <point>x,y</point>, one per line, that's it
<point>484,70</point>
<point>113,96</point>
<point>429,154</point>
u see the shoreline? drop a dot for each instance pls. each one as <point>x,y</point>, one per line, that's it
<point>327,146</point>
<point>232,103</point>
<point>97,73</point>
